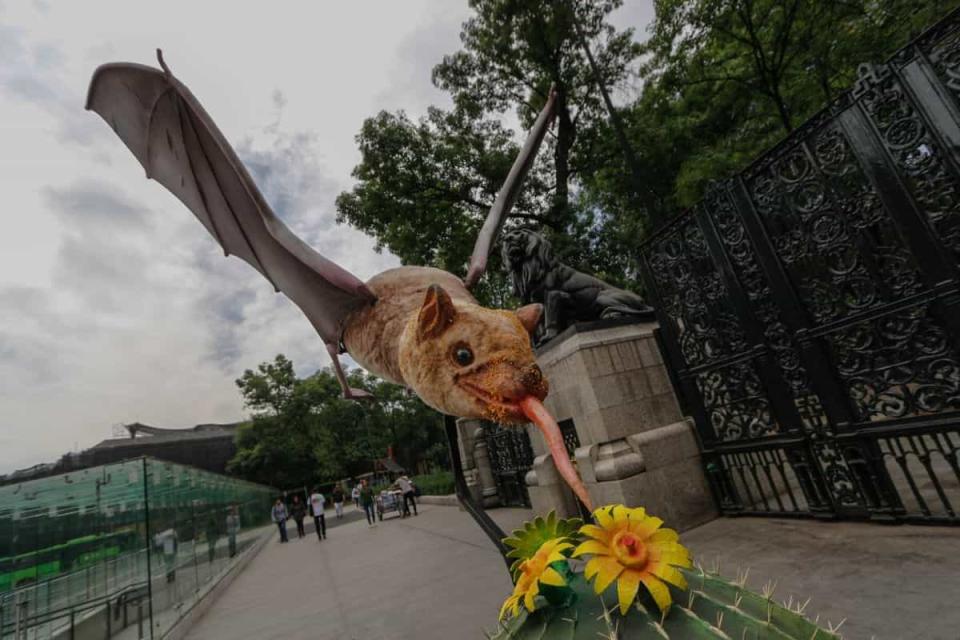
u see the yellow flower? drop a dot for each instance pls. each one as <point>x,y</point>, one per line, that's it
<point>533,572</point>
<point>630,547</point>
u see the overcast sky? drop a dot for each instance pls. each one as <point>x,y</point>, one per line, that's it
<point>115,304</point>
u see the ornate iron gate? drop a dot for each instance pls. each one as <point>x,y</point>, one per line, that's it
<point>511,457</point>
<point>809,310</point>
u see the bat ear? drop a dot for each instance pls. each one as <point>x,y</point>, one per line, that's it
<point>530,316</point>
<point>436,314</point>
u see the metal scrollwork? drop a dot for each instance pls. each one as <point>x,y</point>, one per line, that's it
<point>820,270</point>
<point>736,402</point>
<point>777,338</point>
<point>897,366</point>
<point>918,155</point>
<point>830,229</point>
<point>694,297</point>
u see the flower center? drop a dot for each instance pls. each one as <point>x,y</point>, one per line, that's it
<point>630,550</point>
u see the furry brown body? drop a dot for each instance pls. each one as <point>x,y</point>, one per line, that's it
<point>372,334</point>
<point>427,332</point>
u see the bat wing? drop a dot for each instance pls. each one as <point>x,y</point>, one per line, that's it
<point>508,193</point>
<point>180,147</point>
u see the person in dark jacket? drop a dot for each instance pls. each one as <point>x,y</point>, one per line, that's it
<point>338,500</point>
<point>299,511</point>
<point>366,501</point>
<point>279,515</point>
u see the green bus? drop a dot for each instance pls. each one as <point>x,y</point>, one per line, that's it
<point>49,562</point>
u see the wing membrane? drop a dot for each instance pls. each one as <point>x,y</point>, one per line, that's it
<point>179,146</point>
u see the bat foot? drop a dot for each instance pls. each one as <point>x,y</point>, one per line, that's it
<point>357,394</point>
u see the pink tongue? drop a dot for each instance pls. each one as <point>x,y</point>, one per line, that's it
<point>538,415</point>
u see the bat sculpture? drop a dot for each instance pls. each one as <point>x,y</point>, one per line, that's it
<point>416,326</point>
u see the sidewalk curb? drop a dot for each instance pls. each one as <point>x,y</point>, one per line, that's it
<point>446,501</point>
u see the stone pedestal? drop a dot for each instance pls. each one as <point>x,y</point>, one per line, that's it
<point>635,447</point>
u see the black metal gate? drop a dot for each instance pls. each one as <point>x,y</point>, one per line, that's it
<point>511,457</point>
<point>809,311</point>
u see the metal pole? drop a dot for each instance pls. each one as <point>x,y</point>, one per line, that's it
<point>146,519</point>
<point>491,528</point>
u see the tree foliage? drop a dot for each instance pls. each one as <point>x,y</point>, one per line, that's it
<point>724,80</point>
<point>303,432</point>
<point>424,187</point>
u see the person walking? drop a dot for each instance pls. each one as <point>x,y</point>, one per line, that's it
<point>298,511</point>
<point>366,501</point>
<point>317,502</point>
<point>338,500</point>
<point>233,528</point>
<point>355,494</point>
<point>409,496</point>
<point>279,515</point>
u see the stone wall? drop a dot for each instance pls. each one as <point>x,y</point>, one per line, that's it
<point>635,446</point>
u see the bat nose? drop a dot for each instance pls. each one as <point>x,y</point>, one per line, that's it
<point>533,381</point>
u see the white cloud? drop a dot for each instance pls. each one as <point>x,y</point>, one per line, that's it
<point>115,305</point>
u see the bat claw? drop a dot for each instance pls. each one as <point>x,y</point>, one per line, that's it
<point>358,394</point>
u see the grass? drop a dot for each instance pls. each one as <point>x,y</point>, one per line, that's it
<point>439,483</point>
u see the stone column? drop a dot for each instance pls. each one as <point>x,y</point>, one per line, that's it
<point>636,448</point>
<point>489,496</point>
<point>466,434</point>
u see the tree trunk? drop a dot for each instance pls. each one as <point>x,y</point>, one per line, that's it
<point>561,160</point>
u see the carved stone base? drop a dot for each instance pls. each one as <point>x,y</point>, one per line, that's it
<point>658,470</point>
<point>548,492</point>
<point>633,445</point>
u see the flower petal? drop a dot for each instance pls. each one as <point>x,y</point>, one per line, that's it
<point>556,549</point>
<point>621,515</point>
<point>552,577</point>
<point>606,570</point>
<point>604,517</point>
<point>668,574</point>
<point>595,547</point>
<point>659,591</point>
<point>529,596</point>
<point>595,532</point>
<point>627,586</point>
<point>645,527</point>
<point>664,535</point>
<point>506,605</point>
<point>670,553</point>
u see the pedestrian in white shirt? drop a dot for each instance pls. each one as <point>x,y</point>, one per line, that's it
<point>316,506</point>
<point>409,495</point>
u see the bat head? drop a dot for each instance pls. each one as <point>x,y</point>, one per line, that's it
<point>469,361</point>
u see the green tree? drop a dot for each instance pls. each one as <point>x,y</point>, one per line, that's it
<point>425,187</point>
<point>724,80</point>
<point>303,432</point>
<point>514,50</point>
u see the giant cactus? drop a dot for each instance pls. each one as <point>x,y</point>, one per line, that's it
<point>638,583</point>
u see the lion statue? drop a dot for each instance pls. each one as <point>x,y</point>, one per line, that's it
<point>567,295</point>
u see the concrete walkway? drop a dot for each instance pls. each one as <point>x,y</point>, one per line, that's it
<point>436,576</point>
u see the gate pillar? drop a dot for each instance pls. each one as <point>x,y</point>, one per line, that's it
<point>489,497</point>
<point>467,432</point>
<point>622,423</point>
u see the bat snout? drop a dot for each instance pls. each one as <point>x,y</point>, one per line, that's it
<point>531,377</point>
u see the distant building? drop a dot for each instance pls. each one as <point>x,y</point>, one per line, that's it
<point>205,446</point>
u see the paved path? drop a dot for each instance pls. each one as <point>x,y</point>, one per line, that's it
<point>431,576</point>
<point>436,577</point>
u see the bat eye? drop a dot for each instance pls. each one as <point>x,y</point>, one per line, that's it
<point>463,355</point>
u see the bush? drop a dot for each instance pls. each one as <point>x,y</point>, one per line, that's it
<point>439,483</point>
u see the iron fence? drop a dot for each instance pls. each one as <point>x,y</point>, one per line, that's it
<point>808,307</point>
